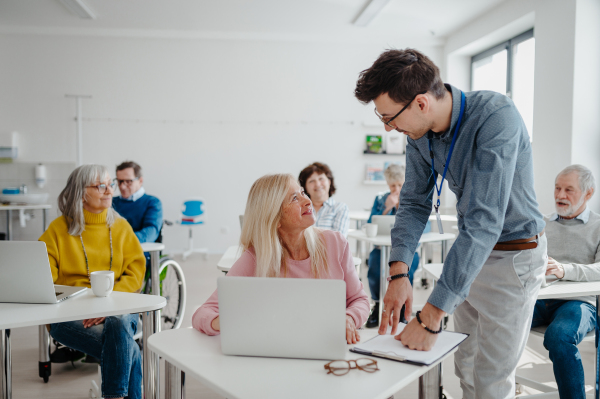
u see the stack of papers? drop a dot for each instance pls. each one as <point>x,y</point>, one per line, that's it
<point>386,346</point>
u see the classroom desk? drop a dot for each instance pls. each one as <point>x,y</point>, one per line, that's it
<point>560,289</point>
<point>189,353</point>
<point>83,306</point>
<point>22,208</point>
<point>386,243</point>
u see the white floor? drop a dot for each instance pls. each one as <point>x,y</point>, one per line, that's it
<point>74,382</point>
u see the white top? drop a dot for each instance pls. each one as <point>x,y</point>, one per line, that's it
<point>83,306</point>
<point>152,246</point>
<point>387,240</point>
<point>200,356</point>
<point>19,207</point>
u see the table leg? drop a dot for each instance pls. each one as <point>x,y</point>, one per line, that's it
<point>444,249</point>
<point>429,383</point>
<point>5,365</point>
<point>155,278</point>
<point>597,395</point>
<point>151,361</point>
<point>174,382</point>
<point>44,221</point>
<point>44,364</point>
<point>382,279</point>
<point>8,225</point>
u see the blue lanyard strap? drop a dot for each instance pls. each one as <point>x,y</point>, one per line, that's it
<point>439,189</point>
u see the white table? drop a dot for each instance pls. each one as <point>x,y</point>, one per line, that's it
<point>233,253</point>
<point>82,306</point>
<point>386,243</point>
<point>188,352</point>
<point>360,217</point>
<point>558,290</point>
<point>22,208</point>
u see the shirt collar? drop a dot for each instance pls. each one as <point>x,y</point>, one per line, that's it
<point>136,196</point>
<point>330,201</point>
<point>583,216</point>
<point>456,99</point>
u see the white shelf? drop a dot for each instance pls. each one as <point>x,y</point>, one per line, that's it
<point>375,182</point>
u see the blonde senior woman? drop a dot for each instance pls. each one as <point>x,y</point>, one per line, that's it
<point>280,240</point>
<point>91,236</point>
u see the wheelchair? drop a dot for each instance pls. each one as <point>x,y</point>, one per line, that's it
<point>172,287</point>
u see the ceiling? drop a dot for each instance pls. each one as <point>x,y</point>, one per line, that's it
<point>425,20</point>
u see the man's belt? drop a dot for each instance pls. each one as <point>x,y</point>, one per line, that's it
<point>519,245</point>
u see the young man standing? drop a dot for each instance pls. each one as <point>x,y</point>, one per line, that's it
<point>478,142</point>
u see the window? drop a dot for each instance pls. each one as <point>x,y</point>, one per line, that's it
<point>508,69</point>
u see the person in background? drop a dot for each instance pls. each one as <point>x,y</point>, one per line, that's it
<point>280,240</point>
<point>317,181</point>
<point>91,236</point>
<point>386,203</point>
<point>573,254</point>
<point>142,211</point>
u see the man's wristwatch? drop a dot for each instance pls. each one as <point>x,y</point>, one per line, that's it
<point>395,276</point>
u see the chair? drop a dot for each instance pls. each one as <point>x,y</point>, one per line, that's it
<point>190,215</point>
<point>548,392</point>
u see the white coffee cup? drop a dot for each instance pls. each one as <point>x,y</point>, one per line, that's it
<point>371,229</point>
<point>102,282</point>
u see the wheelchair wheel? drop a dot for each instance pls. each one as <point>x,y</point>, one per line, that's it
<point>172,287</point>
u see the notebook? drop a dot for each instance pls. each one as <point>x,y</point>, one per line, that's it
<point>386,346</point>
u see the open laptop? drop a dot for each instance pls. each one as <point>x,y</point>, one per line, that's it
<point>384,224</point>
<point>549,280</point>
<point>25,275</point>
<point>283,317</point>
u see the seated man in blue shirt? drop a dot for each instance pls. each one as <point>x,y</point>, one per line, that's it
<point>142,211</point>
<point>387,204</point>
<point>573,254</point>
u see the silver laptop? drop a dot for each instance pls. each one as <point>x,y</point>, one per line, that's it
<point>26,276</point>
<point>384,224</point>
<point>283,317</point>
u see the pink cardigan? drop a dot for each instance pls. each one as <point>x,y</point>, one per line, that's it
<point>341,267</point>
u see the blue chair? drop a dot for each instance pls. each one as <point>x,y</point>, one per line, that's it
<point>191,215</point>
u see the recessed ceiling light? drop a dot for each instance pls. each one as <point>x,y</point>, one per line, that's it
<point>79,8</point>
<point>369,12</point>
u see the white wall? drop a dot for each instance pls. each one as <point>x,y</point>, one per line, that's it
<point>203,117</point>
<point>567,81</point>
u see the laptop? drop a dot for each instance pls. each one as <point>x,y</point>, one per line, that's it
<point>549,280</point>
<point>384,224</point>
<point>26,276</point>
<point>283,317</point>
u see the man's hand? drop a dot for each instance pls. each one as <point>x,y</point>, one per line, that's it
<point>93,322</point>
<point>352,336</point>
<point>399,293</point>
<point>216,324</point>
<point>414,336</point>
<point>555,268</point>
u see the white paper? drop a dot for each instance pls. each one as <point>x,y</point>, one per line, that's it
<point>388,345</point>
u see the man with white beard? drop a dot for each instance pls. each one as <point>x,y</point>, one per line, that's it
<point>573,254</point>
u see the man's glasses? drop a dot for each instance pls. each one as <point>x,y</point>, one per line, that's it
<point>103,187</point>
<point>126,182</point>
<point>387,120</point>
<point>341,367</point>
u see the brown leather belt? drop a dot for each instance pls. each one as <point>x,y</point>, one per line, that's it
<point>519,245</point>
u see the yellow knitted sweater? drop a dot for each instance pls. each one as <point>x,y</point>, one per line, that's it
<point>67,260</point>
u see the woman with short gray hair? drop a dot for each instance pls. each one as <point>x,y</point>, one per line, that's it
<point>90,236</point>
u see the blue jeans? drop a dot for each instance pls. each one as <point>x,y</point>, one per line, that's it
<point>374,273</point>
<point>111,342</point>
<point>568,323</point>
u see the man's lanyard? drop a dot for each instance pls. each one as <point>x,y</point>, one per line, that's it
<point>439,189</point>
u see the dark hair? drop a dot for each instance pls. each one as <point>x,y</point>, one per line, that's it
<point>319,168</point>
<point>137,169</point>
<point>402,74</point>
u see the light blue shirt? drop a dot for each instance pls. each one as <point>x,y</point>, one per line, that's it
<point>491,174</point>
<point>583,216</point>
<point>135,196</point>
<point>334,216</point>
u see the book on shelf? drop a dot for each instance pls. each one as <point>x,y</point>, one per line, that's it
<point>374,144</point>
<point>395,142</point>
<point>374,171</point>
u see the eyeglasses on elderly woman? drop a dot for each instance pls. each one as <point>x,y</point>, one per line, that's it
<point>103,187</point>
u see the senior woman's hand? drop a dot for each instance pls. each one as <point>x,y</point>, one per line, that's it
<point>352,336</point>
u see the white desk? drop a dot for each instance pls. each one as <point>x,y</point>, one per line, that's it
<point>386,243</point>
<point>188,352</point>
<point>82,306</point>
<point>360,217</point>
<point>22,209</point>
<point>560,289</point>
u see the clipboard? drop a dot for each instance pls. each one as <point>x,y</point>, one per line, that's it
<point>387,347</point>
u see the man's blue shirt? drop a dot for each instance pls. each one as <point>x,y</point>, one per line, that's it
<point>144,215</point>
<point>491,174</point>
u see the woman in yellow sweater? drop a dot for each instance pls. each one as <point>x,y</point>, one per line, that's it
<point>91,236</point>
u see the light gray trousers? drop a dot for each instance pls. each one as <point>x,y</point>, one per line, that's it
<point>497,316</point>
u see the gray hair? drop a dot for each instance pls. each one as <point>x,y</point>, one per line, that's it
<point>394,173</point>
<point>586,178</point>
<point>70,200</point>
